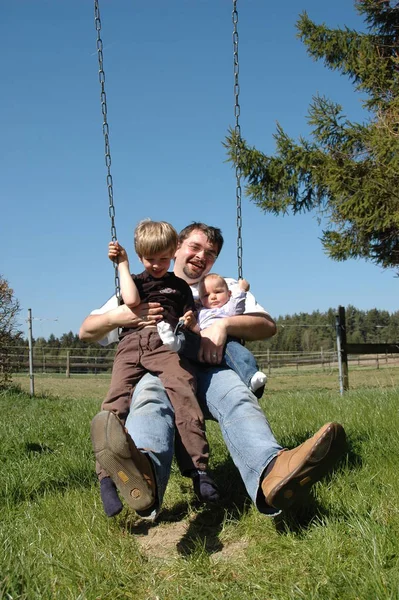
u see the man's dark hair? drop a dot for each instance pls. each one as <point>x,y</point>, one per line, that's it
<point>213,234</point>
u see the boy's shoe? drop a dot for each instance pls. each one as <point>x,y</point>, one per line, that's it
<point>205,488</point>
<point>111,502</point>
<point>128,468</point>
<point>295,471</point>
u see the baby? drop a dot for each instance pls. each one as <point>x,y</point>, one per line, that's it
<point>217,302</point>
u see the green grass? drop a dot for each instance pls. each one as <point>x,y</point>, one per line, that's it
<point>56,543</point>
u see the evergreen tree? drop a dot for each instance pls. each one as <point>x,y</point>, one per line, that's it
<point>347,172</point>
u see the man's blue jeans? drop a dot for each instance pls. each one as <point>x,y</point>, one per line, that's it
<point>222,397</point>
<point>235,355</point>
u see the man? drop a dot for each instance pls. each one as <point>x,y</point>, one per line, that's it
<point>275,478</point>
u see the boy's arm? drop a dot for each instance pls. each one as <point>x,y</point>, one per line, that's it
<point>129,291</point>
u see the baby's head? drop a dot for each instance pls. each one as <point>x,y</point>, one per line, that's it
<point>213,291</point>
<point>155,243</point>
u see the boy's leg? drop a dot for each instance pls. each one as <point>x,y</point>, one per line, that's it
<point>180,385</point>
<point>191,444</point>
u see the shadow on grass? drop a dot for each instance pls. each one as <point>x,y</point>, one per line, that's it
<point>35,448</point>
<point>207,522</point>
<point>300,518</point>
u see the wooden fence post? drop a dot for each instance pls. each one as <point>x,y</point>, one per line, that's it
<point>341,350</point>
<point>268,362</point>
<point>68,364</point>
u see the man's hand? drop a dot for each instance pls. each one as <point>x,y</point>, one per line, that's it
<point>97,326</point>
<point>213,340</point>
<point>117,253</point>
<point>147,313</point>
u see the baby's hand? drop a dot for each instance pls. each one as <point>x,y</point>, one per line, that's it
<point>116,252</point>
<point>189,319</point>
<point>243,285</point>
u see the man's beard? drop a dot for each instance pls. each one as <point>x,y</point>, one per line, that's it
<point>191,273</point>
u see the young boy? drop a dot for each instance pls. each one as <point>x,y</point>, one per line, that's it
<point>141,351</point>
<point>217,303</point>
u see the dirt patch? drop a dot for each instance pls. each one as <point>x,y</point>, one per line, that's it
<point>231,551</point>
<point>161,541</point>
<point>171,540</point>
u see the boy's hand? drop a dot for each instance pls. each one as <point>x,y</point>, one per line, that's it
<point>117,253</point>
<point>243,285</point>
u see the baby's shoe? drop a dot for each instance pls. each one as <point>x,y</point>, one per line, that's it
<point>257,383</point>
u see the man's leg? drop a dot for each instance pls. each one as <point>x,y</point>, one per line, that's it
<point>274,478</point>
<point>244,426</point>
<point>150,424</point>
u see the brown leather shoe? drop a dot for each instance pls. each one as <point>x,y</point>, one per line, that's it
<point>295,471</point>
<point>128,468</point>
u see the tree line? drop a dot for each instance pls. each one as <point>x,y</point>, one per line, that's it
<point>300,332</point>
<point>309,332</point>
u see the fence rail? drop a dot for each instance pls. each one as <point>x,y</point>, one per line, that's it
<point>78,361</point>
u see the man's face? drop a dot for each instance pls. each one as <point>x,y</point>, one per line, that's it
<point>195,257</point>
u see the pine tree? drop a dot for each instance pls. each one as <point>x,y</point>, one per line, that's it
<point>347,172</point>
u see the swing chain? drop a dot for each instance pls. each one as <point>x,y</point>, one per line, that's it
<point>237,131</point>
<point>103,97</point>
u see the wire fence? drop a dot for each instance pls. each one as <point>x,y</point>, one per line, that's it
<point>74,361</point>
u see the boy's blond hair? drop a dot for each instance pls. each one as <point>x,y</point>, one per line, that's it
<point>211,276</point>
<point>151,237</point>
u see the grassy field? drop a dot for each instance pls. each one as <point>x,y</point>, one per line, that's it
<point>56,542</point>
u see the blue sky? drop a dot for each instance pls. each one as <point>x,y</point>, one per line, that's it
<point>169,83</point>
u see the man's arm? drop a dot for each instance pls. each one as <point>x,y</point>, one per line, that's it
<point>95,327</point>
<point>248,327</point>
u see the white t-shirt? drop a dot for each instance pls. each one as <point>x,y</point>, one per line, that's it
<point>251,307</point>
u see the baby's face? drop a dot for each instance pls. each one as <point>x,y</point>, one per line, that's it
<point>214,293</point>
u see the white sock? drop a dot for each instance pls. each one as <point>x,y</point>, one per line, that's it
<point>167,336</point>
<point>257,381</point>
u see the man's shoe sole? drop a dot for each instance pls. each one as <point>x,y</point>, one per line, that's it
<point>321,457</point>
<point>114,453</point>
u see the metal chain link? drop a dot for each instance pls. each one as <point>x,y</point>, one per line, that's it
<point>237,131</point>
<point>103,97</point>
